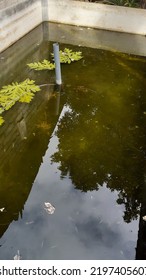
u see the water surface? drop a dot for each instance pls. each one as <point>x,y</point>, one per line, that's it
<point>83,150</point>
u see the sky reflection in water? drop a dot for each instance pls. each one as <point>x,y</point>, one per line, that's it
<point>85,225</point>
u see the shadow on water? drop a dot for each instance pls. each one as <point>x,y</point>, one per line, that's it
<point>24,140</point>
<point>25,135</point>
<point>83,151</point>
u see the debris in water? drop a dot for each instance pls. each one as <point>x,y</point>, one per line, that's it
<point>17,257</point>
<point>42,244</point>
<point>144,218</point>
<point>2,209</point>
<point>49,207</point>
<point>76,229</point>
<point>54,246</point>
<point>29,223</point>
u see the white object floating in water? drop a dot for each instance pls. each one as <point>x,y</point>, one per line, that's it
<point>144,218</point>
<point>17,257</point>
<point>29,223</point>
<point>2,209</point>
<point>49,207</point>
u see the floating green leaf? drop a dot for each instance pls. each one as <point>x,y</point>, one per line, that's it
<point>68,56</point>
<point>22,92</point>
<point>44,65</point>
<point>27,97</point>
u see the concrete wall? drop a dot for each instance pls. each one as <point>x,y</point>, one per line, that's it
<point>14,57</point>
<point>109,17</point>
<point>98,39</point>
<point>17,18</point>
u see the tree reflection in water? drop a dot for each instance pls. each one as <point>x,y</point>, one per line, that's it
<point>101,137</point>
<point>101,140</point>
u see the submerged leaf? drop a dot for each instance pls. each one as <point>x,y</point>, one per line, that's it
<point>1,121</point>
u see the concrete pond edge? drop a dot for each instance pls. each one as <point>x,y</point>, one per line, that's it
<point>17,18</point>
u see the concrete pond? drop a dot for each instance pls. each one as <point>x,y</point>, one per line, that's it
<point>72,169</point>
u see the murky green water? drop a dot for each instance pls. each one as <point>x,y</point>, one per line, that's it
<point>82,150</point>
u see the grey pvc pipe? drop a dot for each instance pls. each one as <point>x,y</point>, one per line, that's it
<point>57,63</point>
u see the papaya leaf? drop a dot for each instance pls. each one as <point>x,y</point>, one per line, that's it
<point>1,110</point>
<point>44,65</point>
<point>27,97</point>
<point>22,92</point>
<point>68,56</point>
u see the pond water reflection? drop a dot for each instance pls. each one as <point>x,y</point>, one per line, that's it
<point>85,154</point>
